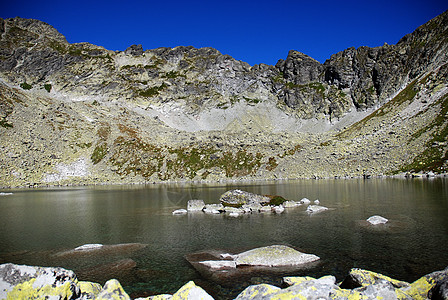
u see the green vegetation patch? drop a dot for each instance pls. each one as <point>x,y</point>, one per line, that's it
<point>434,157</point>
<point>131,155</point>
<point>26,86</point>
<point>99,153</point>
<point>154,91</point>
<point>47,87</point>
<point>272,164</point>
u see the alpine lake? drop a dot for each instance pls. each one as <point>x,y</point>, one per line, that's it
<point>37,225</point>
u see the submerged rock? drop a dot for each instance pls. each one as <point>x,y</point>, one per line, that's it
<point>213,208</point>
<point>88,250</point>
<point>274,256</point>
<point>377,220</point>
<point>88,247</point>
<point>180,212</point>
<point>313,209</point>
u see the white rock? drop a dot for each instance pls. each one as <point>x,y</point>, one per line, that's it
<point>234,214</point>
<point>266,209</point>
<point>317,202</point>
<point>377,220</point>
<point>219,264</point>
<point>279,209</point>
<point>213,208</point>
<point>180,212</point>
<point>195,205</point>
<point>291,204</point>
<point>5,194</point>
<point>228,256</point>
<point>88,247</point>
<point>305,201</point>
<point>312,209</point>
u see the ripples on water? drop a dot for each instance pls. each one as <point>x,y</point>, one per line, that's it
<point>37,224</point>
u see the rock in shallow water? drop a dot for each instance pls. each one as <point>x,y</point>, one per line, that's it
<point>377,220</point>
<point>274,256</point>
<point>195,205</point>
<point>314,209</point>
<point>238,198</point>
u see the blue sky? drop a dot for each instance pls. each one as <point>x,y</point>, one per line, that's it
<point>252,31</point>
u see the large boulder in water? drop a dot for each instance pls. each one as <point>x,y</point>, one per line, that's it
<point>274,256</point>
<point>238,198</point>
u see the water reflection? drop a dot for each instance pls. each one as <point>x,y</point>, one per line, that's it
<point>36,224</point>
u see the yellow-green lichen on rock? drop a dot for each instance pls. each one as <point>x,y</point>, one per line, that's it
<point>89,290</point>
<point>191,291</point>
<point>257,291</point>
<point>29,290</point>
<point>113,290</point>
<point>360,277</point>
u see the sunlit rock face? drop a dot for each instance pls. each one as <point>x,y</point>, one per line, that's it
<point>81,114</point>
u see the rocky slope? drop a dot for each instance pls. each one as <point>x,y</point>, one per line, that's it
<point>81,114</point>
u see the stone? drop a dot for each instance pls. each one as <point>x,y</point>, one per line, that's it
<point>259,291</point>
<point>88,247</point>
<point>229,210</point>
<point>134,50</point>
<point>266,209</point>
<point>420,288</point>
<point>274,256</point>
<point>234,214</point>
<point>279,209</point>
<point>191,291</point>
<point>359,277</point>
<point>317,202</point>
<point>291,204</point>
<point>313,209</point>
<point>219,264</point>
<point>213,208</point>
<point>238,198</point>
<point>377,220</point>
<point>5,194</point>
<point>27,282</point>
<point>180,212</point>
<point>305,201</point>
<point>252,207</point>
<point>440,290</point>
<point>195,205</point>
<point>112,290</point>
<point>89,290</point>
<point>126,248</point>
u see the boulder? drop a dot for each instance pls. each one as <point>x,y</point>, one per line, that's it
<point>238,198</point>
<point>313,209</point>
<point>427,284</point>
<point>259,291</point>
<point>195,205</point>
<point>219,264</point>
<point>213,208</point>
<point>291,204</point>
<point>305,201</point>
<point>377,220</point>
<point>112,290</point>
<point>440,290</point>
<point>317,202</point>
<point>89,290</point>
<point>266,209</point>
<point>191,291</point>
<point>230,210</point>
<point>26,282</point>
<point>251,208</point>
<point>274,256</point>
<point>103,250</point>
<point>361,278</point>
<point>279,209</point>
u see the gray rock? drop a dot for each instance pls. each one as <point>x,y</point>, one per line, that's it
<point>113,290</point>
<point>191,291</point>
<point>266,209</point>
<point>134,50</point>
<point>88,247</point>
<point>279,209</point>
<point>313,209</point>
<point>213,208</point>
<point>377,220</point>
<point>259,291</point>
<point>291,204</point>
<point>238,198</point>
<point>440,291</point>
<point>37,282</point>
<point>305,201</point>
<point>180,212</point>
<point>273,256</point>
<point>195,205</point>
<point>219,264</point>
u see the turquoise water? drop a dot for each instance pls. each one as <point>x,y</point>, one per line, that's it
<point>38,224</point>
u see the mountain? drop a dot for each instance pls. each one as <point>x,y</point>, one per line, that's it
<point>82,114</point>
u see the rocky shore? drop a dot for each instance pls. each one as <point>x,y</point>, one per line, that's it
<point>29,282</point>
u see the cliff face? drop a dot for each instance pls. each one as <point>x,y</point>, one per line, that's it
<point>78,113</point>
